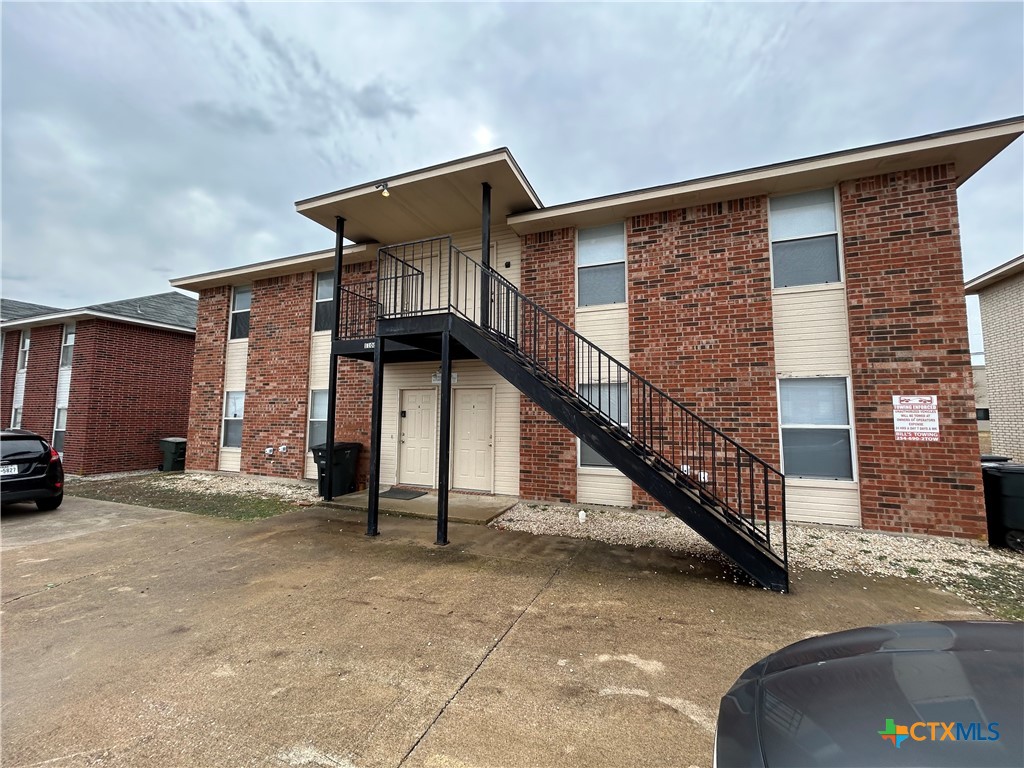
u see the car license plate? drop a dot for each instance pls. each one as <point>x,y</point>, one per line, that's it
<point>9,469</point>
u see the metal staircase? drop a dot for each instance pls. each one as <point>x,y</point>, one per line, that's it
<point>724,492</point>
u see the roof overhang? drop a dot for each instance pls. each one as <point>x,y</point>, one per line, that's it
<point>426,203</point>
<point>969,148</point>
<point>77,315</point>
<point>315,261</point>
<point>1002,272</point>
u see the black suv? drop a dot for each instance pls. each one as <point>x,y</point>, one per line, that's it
<point>30,470</point>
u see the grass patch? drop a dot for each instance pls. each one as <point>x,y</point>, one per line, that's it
<point>147,491</point>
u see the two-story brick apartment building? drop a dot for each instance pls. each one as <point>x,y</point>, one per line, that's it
<point>786,306</point>
<point>105,382</point>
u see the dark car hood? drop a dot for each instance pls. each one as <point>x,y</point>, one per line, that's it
<point>824,701</point>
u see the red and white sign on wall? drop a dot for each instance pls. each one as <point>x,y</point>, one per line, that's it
<point>916,417</point>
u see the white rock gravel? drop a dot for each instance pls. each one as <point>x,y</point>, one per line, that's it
<point>957,565</point>
<point>240,485</point>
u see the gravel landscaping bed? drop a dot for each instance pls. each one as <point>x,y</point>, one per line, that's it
<point>262,488</point>
<point>990,579</point>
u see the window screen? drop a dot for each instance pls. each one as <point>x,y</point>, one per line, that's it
<point>602,265</point>
<point>323,306</point>
<point>240,305</point>
<point>234,410</point>
<point>816,435</point>
<point>613,401</point>
<point>805,240</point>
<point>318,417</point>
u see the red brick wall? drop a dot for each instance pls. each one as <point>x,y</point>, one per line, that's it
<point>8,368</point>
<point>547,451</point>
<point>207,400</point>
<point>277,375</point>
<point>908,335</point>
<point>129,389</point>
<point>352,417</point>
<point>700,317</point>
<point>41,379</point>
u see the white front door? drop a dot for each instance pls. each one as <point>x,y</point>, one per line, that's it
<point>472,439</point>
<point>417,417</point>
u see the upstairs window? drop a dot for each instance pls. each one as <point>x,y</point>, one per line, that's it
<point>234,410</point>
<point>241,299</point>
<point>323,304</point>
<point>16,418</point>
<point>613,401</point>
<point>23,347</point>
<point>805,239</point>
<point>816,432</point>
<point>601,265</point>
<point>67,349</point>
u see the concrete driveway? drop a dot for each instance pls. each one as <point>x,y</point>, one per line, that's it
<point>148,638</point>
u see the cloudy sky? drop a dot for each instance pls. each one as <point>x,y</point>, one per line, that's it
<point>147,141</point>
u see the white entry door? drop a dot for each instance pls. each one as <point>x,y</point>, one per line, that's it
<point>472,439</point>
<point>418,417</point>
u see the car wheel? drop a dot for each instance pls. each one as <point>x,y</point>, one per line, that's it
<point>1015,540</point>
<point>47,505</point>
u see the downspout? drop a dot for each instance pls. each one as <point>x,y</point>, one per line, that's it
<point>332,378</point>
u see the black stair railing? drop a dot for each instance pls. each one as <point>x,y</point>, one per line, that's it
<point>359,310</point>
<point>745,490</point>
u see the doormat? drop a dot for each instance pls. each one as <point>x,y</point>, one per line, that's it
<point>402,493</point>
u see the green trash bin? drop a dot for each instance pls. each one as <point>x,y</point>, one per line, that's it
<point>343,473</point>
<point>174,454</point>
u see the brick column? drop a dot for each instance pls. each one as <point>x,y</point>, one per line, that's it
<point>277,375</point>
<point>547,451</point>
<point>8,368</point>
<point>41,380</point>
<point>908,336</point>
<point>207,399</point>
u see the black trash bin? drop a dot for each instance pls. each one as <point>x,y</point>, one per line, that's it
<point>1004,504</point>
<point>343,473</point>
<point>174,453</point>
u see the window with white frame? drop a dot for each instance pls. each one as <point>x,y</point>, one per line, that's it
<point>317,417</point>
<point>67,348</point>
<point>60,425</point>
<point>16,418</point>
<point>613,401</point>
<point>241,300</point>
<point>601,265</point>
<point>805,239</point>
<point>323,304</point>
<point>23,347</point>
<point>816,432</point>
<point>234,410</point>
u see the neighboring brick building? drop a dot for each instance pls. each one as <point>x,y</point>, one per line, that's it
<point>104,383</point>
<point>787,305</point>
<point>1001,293</point>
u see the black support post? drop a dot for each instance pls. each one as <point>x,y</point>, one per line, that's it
<point>332,379</point>
<point>376,414</point>
<point>444,442</point>
<point>485,255</point>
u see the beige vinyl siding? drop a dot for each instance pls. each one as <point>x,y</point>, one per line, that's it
<point>319,372</point>
<point>608,328</point>
<point>471,373</point>
<point>812,335</point>
<point>812,338</point>
<point>822,501</point>
<point>235,359</point>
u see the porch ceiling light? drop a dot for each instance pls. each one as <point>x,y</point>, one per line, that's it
<point>383,187</point>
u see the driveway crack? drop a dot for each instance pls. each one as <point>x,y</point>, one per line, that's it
<point>483,660</point>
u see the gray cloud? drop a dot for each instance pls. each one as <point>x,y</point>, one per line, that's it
<point>141,141</point>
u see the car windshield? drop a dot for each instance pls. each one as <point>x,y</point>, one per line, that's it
<point>21,446</point>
